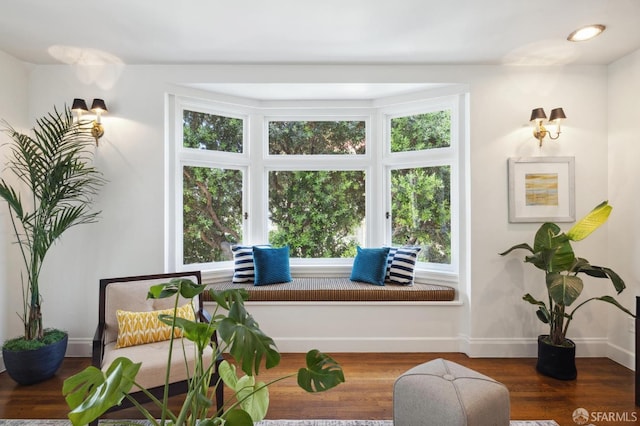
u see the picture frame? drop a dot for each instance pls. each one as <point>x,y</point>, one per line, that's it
<point>541,189</point>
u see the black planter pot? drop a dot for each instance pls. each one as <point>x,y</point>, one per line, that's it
<point>29,367</point>
<point>558,362</point>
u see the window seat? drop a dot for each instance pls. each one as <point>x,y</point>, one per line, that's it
<point>339,290</point>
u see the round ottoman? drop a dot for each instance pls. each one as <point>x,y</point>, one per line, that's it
<point>443,393</point>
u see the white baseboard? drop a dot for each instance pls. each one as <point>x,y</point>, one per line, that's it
<point>474,348</point>
<point>622,356</point>
<point>78,347</point>
<point>528,348</point>
<point>383,344</point>
<point>501,348</point>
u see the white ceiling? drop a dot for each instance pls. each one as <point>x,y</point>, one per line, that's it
<point>425,32</point>
<point>311,32</point>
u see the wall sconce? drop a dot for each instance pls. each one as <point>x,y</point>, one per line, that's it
<point>98,107</point>
<point>538,116</point>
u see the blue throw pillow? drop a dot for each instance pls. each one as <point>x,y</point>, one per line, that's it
<point>271,265</point>
<point>370,265</point>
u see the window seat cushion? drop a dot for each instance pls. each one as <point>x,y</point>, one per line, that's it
<point>339,290</point>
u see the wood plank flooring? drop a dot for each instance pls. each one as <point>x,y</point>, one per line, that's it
<point>602,386</point>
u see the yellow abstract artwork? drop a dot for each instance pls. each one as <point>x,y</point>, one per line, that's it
<point>541,189</point>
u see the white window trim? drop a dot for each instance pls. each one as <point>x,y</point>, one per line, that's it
<point>377,162</point>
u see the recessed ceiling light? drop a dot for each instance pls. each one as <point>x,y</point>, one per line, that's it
<point>586,33</point>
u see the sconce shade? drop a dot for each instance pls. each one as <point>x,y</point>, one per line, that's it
<point>538,114</point>
<point>557,114</point>
<point>98,105</point>
<point>79,104</point>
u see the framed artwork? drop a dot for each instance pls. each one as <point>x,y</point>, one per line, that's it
<point>542,189</point>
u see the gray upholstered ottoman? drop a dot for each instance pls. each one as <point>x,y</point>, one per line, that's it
<point>443,393</point>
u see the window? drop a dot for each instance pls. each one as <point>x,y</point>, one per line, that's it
<point>212,186</point>
<point>320,180</point>
<point>421,196</point>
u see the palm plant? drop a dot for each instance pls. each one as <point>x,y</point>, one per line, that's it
<point>91,392</point>
<point>54,166</point>
<point>552,252</point>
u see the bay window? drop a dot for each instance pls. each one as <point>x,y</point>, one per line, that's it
<point>320,180</point>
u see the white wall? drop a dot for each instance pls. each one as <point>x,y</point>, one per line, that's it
<point>624,188</point>
<point>129,237</point>
<point>501,323</point>
<point>13,109</point>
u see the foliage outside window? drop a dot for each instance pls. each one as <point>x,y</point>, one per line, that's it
<point>316,137</point>
<point>317,213</point>
<point>421,211</point>
<point>212,218</point>
<point>421,131</point>
<point>212,132</point>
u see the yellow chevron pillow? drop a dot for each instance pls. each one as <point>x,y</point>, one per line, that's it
<point>138,328</point>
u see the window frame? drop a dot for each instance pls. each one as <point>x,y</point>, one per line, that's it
<point>377,163</point>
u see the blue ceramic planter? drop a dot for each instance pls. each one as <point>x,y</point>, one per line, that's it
<point>29,367</point>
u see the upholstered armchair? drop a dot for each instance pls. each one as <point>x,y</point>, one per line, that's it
<point>129,295</point>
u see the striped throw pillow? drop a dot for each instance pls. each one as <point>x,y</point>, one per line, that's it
<point>243,264</point>
<point>401,264</point>
<point>138,328</point>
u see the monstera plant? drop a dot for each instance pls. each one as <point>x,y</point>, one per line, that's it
<point>92,392</point>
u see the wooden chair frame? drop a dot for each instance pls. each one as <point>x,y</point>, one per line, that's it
<point>176,388</point>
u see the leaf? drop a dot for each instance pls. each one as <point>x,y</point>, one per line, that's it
<point>225,298</point>
<point>90,393</point>
<point>564,289</point>
<point>543,315</point>
<point>248,344</point>
<point>187,289</point>
<point>12,198</point>
<point>529,298</point>
<point>198,332</point>
<point>524,246</point>
<point>614,302</point>
<point>322,372</point>
<point>592,221</point>
<point>228,374</point>
<point>603,272</point>
<point>254,397</point>
<point>237,418</point>
<point>543,312</point>
<point>545,237</point>
<point>553,251</point>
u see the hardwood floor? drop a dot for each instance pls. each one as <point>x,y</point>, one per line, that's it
<point>602,386</point>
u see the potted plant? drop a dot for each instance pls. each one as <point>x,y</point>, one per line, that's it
<point>52,166</point>
<point>91,392</point>
<point>552,252</point>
